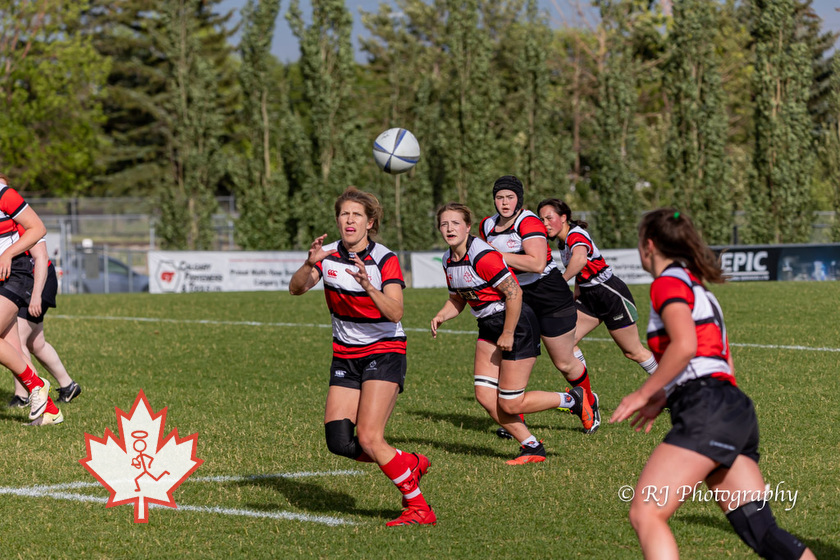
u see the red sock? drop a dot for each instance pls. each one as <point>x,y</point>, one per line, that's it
<point>398,470</point>
<point>29,379</point>
<point>51,408</point>
<point>583,381</point>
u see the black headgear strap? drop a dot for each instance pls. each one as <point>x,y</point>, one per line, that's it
<point>510,183</point>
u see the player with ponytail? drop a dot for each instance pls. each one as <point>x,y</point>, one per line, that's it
<point>714,434</point>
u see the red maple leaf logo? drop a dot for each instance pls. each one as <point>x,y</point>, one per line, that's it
<point>150,468</point>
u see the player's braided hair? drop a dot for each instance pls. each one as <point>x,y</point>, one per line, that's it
<point>674,235</point>
<point>373,209</point>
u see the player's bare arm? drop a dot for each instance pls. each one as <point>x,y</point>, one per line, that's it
<point>513,308</point>
<point>576,262</point>
<point>451,309</point>
<point>534,258</point>
<point>307,275</point>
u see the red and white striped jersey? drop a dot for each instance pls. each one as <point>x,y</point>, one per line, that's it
<point>526,226</point>
<point>677,284</point>
<point>476,276</point>
<point>11,205</point>
<point>596,270</point>
<point>359,329</point>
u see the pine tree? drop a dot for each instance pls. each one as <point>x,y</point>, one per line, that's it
<point>261,188</point>
<point>135,159</point>
<point>696,158</point>
<point>780,199</point>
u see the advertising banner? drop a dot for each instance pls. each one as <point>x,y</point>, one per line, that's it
<point>222,271</point>
<point>427,270</point>
<point>780,262</point>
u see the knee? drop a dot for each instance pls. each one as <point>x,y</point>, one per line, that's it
<point>341,439</point>
<point>637,516</point>
<point>35,345</point>
<point>510,402</point>
<point>757,527</point>
<point>642,516</point>
<point>368,440</point>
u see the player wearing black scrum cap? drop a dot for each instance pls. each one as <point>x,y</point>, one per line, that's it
<point>521,237</point>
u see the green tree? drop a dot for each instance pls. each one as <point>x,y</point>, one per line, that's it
<point>780,184</point>
<point>50,79</point>
<point>696,149</point>
<point>261,188</point>
<point>820,43</point>
<point>613,178</point>
<point>533,139</point>
<point>193,119</point>
<point>333,137</point>
<point>831,143</point>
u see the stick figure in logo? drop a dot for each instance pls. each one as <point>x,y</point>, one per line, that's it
<point>139,462</point>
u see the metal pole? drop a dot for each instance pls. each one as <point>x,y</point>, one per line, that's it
<point>105,267</point>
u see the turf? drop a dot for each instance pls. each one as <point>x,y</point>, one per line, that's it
<point>248,373</point>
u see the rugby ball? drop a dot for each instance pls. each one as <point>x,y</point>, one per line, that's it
<point>396,151</point>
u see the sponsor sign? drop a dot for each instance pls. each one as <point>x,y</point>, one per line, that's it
<point>781,262</point>
<point>222,271</point>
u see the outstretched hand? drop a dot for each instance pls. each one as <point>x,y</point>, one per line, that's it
<point>316,251</point>
<point>359,273</point>
<point>646,410</point>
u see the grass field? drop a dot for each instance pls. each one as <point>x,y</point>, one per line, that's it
<point>248,372</point>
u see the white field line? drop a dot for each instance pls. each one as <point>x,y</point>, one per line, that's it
<point>57,491</point>
<point>408,329</point>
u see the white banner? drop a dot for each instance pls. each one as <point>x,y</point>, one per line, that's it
<point>427,270</point>
<point>626,265</point>
<point>222,271</point>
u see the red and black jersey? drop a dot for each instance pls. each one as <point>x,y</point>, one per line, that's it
<point>596,270</point>
<point>359,329</point>
<point>11,205</point>
<point>677,284</point>
<point>526,226</point>
<point>476,276</point>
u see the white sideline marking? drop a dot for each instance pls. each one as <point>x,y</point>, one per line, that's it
<point>55,491</point>
<point>408,329</point>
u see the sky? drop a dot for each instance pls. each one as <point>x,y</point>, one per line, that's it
<point>560,13</point>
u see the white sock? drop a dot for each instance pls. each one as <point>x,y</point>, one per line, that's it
<point>566,400</point>
<point>579,356</point>
<point>649,365</point>
<point>531,441</point>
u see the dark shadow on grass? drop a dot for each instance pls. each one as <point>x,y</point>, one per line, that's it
<point>15,415</point>
<point>311,497</point>
<point>462,421</point>
<point>457,447</point>
<point>819,548</point>
<point>485,424</point>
